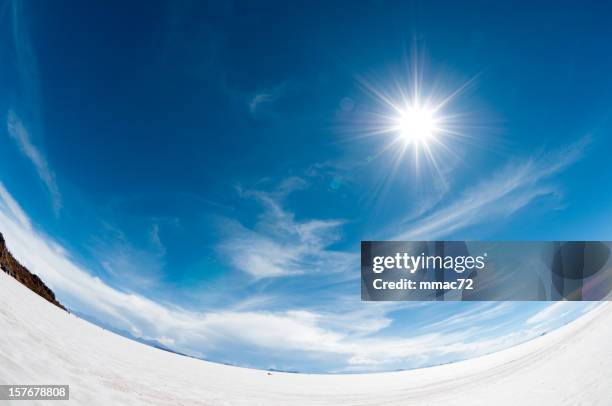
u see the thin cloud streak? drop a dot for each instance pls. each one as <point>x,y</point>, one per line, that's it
<point>28,97</point>
<point>266,97</point>
<point>551,312</point>
<point>512,188</point>
<point>20,134</point>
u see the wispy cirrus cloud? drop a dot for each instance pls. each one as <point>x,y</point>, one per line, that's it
<point>552,313</point>
<point>478,314</point>
<point>278,244</point>
<point>9,206</point>
<point>262,100</point>
<point>132,265</point>
<point>19,133</point>
<point>555,310</point>
<point>503,193</point>
<point>20,128</point>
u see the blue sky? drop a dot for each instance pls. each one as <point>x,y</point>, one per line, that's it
<point>202,175</point>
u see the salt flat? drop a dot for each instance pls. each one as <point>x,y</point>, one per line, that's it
<point>41,344</point>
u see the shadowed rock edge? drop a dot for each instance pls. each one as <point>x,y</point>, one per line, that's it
<point>11,266</point>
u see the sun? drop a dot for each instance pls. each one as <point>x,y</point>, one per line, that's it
<point>417,125</point>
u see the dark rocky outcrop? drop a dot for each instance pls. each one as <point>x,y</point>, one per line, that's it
<point>11,266</point>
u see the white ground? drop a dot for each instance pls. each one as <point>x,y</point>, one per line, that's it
<point>41,344</point>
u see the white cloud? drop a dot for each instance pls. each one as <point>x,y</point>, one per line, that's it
<point>29,96</point>
<point>344,335</point>
<point>10,206</point>
<point>20,134</point>
<point>500,195</point>
<point>258,99</point>
<point>279,245</point>
<point>478,313</point>
<point>269,96</point>
<point>552,312</point>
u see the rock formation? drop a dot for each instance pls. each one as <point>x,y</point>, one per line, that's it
<point>11,266</point>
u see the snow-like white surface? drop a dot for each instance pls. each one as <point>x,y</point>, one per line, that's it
<point>41,344</point>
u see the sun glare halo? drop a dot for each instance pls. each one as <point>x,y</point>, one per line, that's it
<point>416,125</point>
